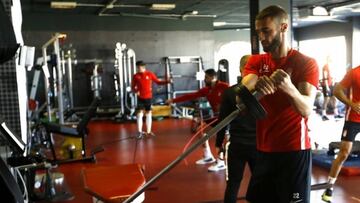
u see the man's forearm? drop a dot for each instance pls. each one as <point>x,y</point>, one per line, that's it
<point>303,98</point>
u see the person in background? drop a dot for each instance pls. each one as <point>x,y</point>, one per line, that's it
<point>288,80</point>
<point>213,92</point>
<point>328,88</point>
<point>241,148</point>
<point>350,85</point>
<point>142,86</point>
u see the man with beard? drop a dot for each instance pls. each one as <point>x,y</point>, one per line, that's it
<point>287,80</point>
<point>213,93</point>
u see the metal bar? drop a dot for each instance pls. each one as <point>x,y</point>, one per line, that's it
<point>48,93</point>
<point>59,80</point>
<point>52,40</point>
<point>70,79</point>
<point>107,6</point>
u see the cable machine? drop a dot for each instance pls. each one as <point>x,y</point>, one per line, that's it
<point>177,66</point>
<point>61,64</point>
<point>125,68</point>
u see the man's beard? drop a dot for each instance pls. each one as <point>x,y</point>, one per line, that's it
<point>273,45</point>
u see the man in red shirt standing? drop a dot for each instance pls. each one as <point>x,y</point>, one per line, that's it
<point>350,84</point>
<point>142,86</point>
<point>288,81</point>
<point>328,88</point>
<point>213,92</point>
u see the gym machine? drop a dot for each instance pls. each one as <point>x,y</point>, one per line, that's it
<point>12,183</point>
<point>58,85</point>
<point>125,68</point>
<point>176,67</point>
<point>223,70</point>
<point>61,64</point>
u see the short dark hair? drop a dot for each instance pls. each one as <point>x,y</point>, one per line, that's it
<point>140,63</point>
<point>244,59</point>
<point>274,12</point>
<point>211,72</point>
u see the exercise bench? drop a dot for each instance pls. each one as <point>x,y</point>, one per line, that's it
<point>80,131</point>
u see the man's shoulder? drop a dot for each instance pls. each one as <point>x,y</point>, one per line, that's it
<point>147,72</point>
<point>299,57</point>
<point>356,69</point>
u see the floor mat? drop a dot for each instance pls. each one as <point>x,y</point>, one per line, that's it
<point>351,166</point>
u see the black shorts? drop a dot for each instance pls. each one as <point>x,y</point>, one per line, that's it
<point>144,104</point>
<point>281,177</point>
<point>328,92</point>
<point>350,130</point>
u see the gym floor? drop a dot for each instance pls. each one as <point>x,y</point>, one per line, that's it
<point>187,182</point>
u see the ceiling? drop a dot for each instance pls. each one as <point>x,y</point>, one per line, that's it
<point>227,14</point>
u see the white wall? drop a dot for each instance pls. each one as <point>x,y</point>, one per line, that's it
<point>231,45</point>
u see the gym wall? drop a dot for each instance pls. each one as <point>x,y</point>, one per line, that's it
<point>151,39</point>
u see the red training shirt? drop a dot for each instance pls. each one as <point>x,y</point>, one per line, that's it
<point>142,83</point>
<point>351,81</point>
<point>212,94</point>
<point>283,129</point>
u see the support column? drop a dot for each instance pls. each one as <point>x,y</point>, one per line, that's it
<point>254,39</point>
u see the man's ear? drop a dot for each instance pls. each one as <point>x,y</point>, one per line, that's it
<point>284,27</point>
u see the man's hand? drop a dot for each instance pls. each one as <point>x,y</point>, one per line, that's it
<point>282,81</point>
<point>265,85</point>
<point>355,107</point>
<point>169,101</point>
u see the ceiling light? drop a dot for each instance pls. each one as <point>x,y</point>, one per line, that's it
<point>345,9</point>
<point>221,23</point>
<point>218,24</point>
<point>319,11</point>
<point>317,18</point>
<point>63,4</point>
<point>162,6</point>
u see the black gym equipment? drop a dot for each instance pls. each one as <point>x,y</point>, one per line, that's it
<point>8,45</point>
<point>7,180</point>
<point>79,132</point>
<point>223,70</point>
